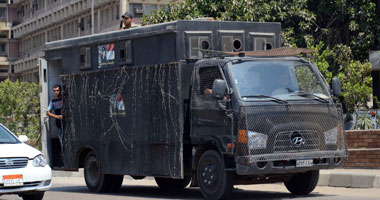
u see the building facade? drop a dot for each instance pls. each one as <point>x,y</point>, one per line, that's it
<point>6,42</point>
<point>35,22</point>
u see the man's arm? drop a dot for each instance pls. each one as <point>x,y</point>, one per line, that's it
<point>54,115</point>
<point>48,112</point>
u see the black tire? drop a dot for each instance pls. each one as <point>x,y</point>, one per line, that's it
<point>33,196</point>
<point>303,183</point>
<point>213,180</point>
<point>97,181</point>
<point>172,185</point>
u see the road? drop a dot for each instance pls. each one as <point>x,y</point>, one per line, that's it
<point>74,188</point>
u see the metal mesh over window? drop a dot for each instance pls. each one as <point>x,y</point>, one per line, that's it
<point>286,132</point>
<point>207,76</point>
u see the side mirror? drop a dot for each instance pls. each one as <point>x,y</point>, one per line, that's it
<point>336,88</point>
<point>219,89</point>
<point>23,138</point>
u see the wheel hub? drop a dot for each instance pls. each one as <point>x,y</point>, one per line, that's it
<point>93,172</point>
<point>209,175</point>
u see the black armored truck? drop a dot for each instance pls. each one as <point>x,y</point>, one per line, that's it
<point>208,102</point>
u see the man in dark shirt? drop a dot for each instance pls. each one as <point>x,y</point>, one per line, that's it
<point>56,105</point>
<point>126,21</point>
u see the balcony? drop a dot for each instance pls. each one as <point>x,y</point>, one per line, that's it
<point>5,26</point>
<point>18,1</point>
<point>4,60</point>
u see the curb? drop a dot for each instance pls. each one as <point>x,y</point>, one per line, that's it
<point>349,180</point>
<point>326,178</point>
<point>59,173</point>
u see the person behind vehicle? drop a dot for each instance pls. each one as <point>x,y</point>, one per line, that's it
<point>56,105</point>
<point>126,21</point>
<point>282,83</point>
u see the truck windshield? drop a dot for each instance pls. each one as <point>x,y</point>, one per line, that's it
<point>6,137</point>
<point>282,79</point>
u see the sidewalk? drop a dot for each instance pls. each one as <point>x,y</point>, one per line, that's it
<point>349,178</point>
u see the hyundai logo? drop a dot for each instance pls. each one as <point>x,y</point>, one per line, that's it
<point>8,162</point>
<point>297,139</point>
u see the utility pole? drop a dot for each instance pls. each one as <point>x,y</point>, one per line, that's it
<point>92,18</point>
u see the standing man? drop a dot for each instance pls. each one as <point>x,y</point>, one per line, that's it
<point>126,21</point>
<point>56,104</point>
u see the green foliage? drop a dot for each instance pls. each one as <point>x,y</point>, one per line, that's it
<point>19,109</point>
<point>320,58</point>
<point>352,23</point>
<point>307,80</point>
<point>355,76</point>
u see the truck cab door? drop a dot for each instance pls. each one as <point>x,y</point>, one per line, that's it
<point>208,119</point>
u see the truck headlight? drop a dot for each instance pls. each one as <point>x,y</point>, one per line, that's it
<point>257,140</point>
<point>331,136</point>
<point>39,161</point>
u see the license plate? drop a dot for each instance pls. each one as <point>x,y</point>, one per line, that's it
<point>304,163</point>
<point>13,180</point>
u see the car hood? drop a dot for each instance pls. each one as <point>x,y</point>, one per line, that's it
<point>18,150</point>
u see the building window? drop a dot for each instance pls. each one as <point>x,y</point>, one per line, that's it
<point>149,8</point>
<point>3,12</point>
<point>136,9</point>
<point>81,24</point>
<point>117,12</point>
<point>2,48</point>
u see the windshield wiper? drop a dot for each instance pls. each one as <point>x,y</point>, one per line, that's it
<point>305,94</point>
<point>265,96</point>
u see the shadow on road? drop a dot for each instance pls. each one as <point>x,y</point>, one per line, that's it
<point>151,192</point>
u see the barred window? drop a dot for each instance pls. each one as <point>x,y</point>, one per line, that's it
<point>207,75</point>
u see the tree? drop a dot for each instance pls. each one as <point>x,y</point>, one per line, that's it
<point>355,75</point>
<point>19,109</point>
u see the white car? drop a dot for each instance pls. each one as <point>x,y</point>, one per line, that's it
<point>23,169</point>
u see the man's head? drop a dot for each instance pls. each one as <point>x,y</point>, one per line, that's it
<point>127,19</point>
<point>57,90</point>
<point>284,79</point>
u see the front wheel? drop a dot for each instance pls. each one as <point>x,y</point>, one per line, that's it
<point>33,196</point>
<point>97,181</point>
<point>213,180</point>
<point>303,183</point>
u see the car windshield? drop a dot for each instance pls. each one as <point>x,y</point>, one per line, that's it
<point>282,79</point>
<point>6,137</point>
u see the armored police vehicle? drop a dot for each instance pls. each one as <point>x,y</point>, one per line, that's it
<point>208,102</point>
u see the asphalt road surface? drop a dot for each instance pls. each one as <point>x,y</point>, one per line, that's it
<point>74,188</point>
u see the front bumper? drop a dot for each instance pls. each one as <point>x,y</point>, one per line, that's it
<point>34,179</point>
<point>286,166</point>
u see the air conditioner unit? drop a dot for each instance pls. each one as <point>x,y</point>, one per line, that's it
<point>139,11</point>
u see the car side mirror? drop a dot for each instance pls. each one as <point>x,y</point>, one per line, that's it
<point>219,89</point>
<point>336,87</point>
<point>23,138</point>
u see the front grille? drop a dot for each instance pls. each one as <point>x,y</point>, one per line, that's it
<point>286,132</point>
<point>283,142</point>
<point>13,163</point>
